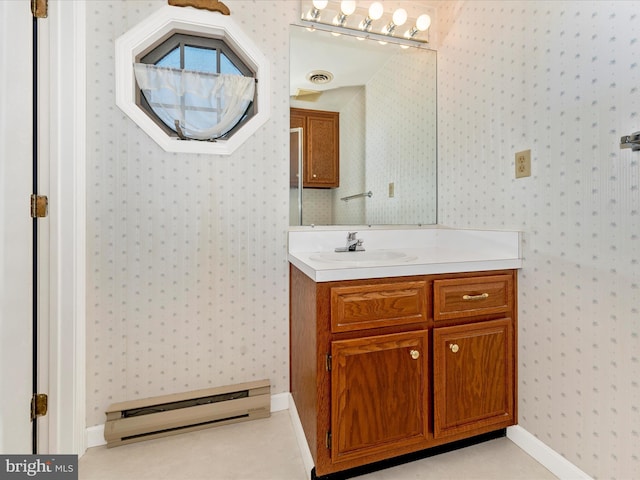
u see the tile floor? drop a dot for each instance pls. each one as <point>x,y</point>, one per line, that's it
<point>266,449</point>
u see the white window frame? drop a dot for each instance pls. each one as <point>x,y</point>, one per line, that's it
<point>158,27</point>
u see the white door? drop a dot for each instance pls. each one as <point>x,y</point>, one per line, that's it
<point>15,226</point>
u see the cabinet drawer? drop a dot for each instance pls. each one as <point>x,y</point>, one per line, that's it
<point>467,297</point>
<point>372,306</point>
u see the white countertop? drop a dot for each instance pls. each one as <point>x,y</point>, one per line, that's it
<point>419,251</point>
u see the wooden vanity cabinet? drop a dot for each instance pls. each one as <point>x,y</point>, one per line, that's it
<point>374,375</point>
<point>321,146</point>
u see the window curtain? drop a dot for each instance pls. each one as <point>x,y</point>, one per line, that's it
<point>206,105</point>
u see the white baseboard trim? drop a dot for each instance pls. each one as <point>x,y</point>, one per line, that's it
<point>305,452</point>
<point>280,401</point>
<point>545,455</point>
<point>95,435</point>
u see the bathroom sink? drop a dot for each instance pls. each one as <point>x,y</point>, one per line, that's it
<point>373,257</point>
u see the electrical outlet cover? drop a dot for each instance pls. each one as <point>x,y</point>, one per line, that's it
<point>523,164</point>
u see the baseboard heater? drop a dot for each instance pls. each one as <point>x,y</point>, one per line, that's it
<point>137,420</point>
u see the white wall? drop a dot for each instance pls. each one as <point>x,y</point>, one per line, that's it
<point>563,79</point>
<point>187,271</point>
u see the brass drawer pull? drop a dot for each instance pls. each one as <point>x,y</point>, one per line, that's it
<point>482,296</point>
<point>454,347</point>
<point>415,354</point>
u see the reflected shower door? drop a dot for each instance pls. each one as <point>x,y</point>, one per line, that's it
<point>296,166</point>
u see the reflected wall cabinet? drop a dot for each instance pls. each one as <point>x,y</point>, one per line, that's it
<point>321,149</point>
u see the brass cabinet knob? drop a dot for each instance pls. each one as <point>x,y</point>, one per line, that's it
<point>415,354</point>
<point>454,347</point>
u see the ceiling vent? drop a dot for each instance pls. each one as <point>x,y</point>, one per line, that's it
<point>319,77</point>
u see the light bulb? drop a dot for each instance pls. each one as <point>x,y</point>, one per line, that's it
<point>376,10</point>
<point>347,7</point>
<point>314,14</point>
<point>399,16</point>
<point>423,22</point>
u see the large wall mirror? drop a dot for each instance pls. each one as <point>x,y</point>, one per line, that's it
<point>385,97</point>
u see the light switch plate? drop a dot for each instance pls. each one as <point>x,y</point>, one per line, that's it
<point>392,190</point>
<point>523,164</point>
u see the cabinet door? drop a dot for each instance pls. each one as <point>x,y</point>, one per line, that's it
<point>379,398</point>
<point>474,377</point>
<point>323,150</point>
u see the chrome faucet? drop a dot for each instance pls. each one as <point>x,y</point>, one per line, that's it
<point>353,244</point>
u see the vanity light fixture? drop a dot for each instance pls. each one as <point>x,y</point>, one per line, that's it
<point>347,7</point>
<point>375,13</point>
<point>367,20</point>
<point>398,19</point>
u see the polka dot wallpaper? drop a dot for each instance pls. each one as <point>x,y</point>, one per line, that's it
<point>187,270</point>
<point>403,156</point>
<point>562,79</point>
<point>352,163</point>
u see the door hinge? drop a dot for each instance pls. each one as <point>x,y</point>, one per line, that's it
<point>39,404</point>
<point>39,8</point>
<point>39,206</point>
<point>328,362</point>
<point>328,439</point>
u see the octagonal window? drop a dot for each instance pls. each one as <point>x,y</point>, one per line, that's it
<point>192,81</point>
<point>195,87</point>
